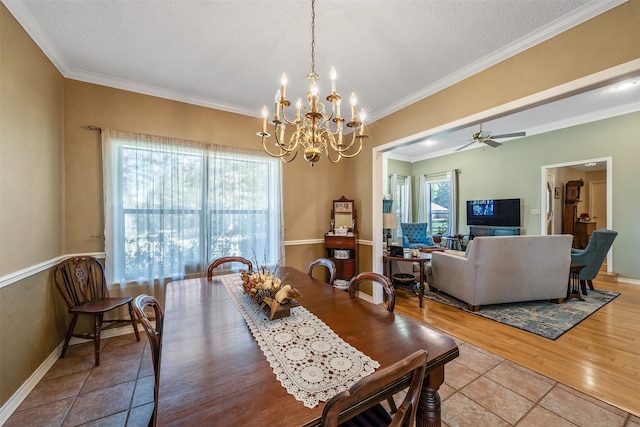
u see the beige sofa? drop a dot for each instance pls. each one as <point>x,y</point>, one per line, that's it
<point>497,270</point>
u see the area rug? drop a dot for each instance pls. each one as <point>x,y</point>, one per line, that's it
<point>542,318</point>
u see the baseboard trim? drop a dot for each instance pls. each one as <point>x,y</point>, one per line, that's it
<point>628,280</point>
<point>18,397</point>
<point>27,387</point>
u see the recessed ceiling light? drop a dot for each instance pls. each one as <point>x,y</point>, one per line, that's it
<point>625,85</point>
<point>590,165</point>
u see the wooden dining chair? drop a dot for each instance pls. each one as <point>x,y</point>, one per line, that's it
<point>390,292</point>
<point>155,341</point>
<point>360,404</point>
<point>228,259</point>
<point>83,286</point>
<point>323,262</point>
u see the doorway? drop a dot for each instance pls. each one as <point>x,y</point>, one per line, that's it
<point>595,196</point>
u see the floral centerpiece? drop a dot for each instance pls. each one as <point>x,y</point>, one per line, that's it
<point>584,217</point>
<point>269,292</point>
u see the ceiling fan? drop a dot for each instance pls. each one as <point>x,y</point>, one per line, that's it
<point>485,137</point>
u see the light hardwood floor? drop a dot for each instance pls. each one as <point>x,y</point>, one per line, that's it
<point>599,357</point>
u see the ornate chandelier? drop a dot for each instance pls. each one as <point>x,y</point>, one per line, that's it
<point>312,123</point>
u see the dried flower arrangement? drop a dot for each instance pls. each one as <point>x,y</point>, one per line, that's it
<point>268,290</point>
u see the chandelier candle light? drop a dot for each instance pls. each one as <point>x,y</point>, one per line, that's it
<point>312,122</point>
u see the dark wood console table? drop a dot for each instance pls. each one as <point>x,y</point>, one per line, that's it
<point>582,233</point>
<point>488,230</point>
<point>421,260</point>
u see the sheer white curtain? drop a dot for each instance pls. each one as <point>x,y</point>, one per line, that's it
<point>424,206</point>
<point>172,206</point>
<point>245,206</point>
<point>407,203</point>
<point>393,185</point>
<point>453,202</point>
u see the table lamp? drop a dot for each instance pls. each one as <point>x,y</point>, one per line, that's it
<point>389,222</point>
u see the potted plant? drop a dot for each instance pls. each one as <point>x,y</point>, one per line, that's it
<point>440,231</point>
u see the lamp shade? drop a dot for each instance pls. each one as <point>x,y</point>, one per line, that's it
<point>389,220</point>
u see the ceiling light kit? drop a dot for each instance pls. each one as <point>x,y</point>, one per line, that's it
<point>312,123</point>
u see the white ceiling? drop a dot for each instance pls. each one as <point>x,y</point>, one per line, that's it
<point>229,54</point>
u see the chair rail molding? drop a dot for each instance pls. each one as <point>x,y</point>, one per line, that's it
<point>35,269</point>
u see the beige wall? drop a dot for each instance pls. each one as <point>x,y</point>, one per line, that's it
<point>31,197</point>
<point>41,116</point>
<point>308,191</point>
<point>31,170</point>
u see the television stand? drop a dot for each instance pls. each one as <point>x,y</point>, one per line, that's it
<point>491,230</point>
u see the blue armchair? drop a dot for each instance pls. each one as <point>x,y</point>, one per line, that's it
<point>593,256</point>
<point>414,235</point>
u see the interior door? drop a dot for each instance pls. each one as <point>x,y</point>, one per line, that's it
<point>598,203</point>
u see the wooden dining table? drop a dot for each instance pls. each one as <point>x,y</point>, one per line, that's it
<point>214,373</point>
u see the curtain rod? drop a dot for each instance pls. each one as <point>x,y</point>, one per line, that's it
<point>92,127</point>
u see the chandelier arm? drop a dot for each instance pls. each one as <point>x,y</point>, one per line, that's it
<point>283,149</point>
<point>292,145</point>
<point>285,160</point>
<point>266,150</point>
<point>349,156</point>
<point>337,146</point>
<point>326,149</point>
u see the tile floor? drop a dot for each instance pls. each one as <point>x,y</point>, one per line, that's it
<point>481,389</point>
<point>74,392</point>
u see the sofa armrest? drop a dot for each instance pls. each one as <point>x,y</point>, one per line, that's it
<point>454,275</point>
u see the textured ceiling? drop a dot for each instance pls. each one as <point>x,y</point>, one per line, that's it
<point>230,54</point>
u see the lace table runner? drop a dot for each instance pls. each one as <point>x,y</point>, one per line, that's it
<point>310,360</point>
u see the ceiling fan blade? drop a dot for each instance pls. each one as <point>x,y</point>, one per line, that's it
<point>492,143</point>
<point>465,146</point>
<point>510,135</point>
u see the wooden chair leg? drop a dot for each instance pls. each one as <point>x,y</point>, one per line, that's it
<point>392,405</point>
<point>69,334</point>
<point>132,316</point>
<point>96,336</point>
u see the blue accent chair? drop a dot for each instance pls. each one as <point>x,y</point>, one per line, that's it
<point>593,256</point>
<point>414,235</point>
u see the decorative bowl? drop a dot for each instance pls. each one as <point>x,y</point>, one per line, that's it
<point>341,253</point>
<point>341,284</point>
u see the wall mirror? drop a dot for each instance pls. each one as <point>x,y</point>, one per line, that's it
<point>343,214</point>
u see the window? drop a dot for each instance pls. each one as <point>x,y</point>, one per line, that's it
<point>401,195</point>
<point>435,197</point>
<point>173,206</point>
<point>438,196</point>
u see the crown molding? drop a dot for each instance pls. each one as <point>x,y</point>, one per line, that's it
<point>22,14</point>
<point>577,17</point>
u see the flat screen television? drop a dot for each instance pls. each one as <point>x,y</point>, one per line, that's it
<point>494,212</point>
